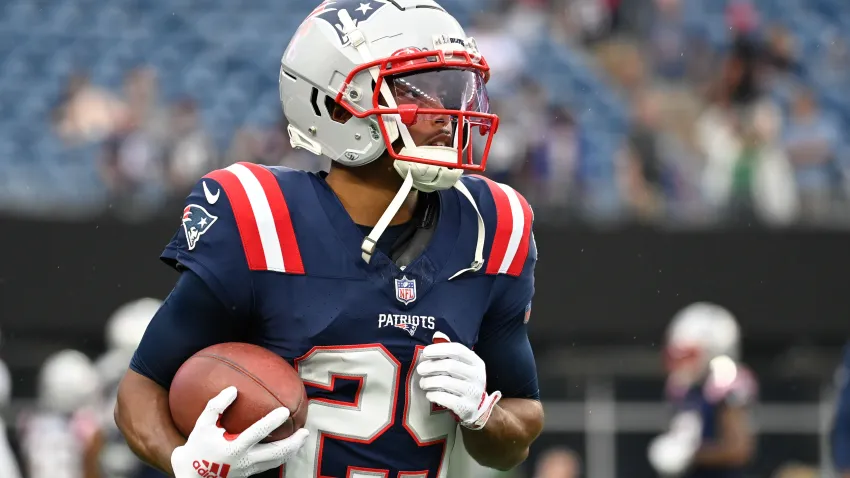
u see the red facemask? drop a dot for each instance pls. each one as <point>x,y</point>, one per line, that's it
<point>438,101</point>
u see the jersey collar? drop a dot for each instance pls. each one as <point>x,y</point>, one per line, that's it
<point>427,267</point>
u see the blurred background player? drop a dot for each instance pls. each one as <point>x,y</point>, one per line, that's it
<point>124,330</point>
<point>558,462</point>
<point>709,434</point>
<point>8,464</point>
<point>840,437</point>
<point>62,437</point>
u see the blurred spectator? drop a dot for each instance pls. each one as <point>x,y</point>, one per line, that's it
<point>669,41</point>
<point>558,463</point>
<point>641,165</point>
<point>625,64</point>
<point>556,167</point>
<point>830,65</point>
<point>590,20</point>
<point>509,148</point>
<point>190,151</point>
<point>131,167</point>
<point>746,175</point>
<point>742,17</point>
<point>501,48</point>
<point>739,77</point>
<point>132,164</point>
<point>811,140</point>
<point>780,51</point>
<point>141,92</point>
<point>86,112</point>
<point>524,19</point>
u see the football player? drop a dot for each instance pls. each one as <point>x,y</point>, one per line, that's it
<point>8,462</point>
<point>376,279</point>
<point>709,435</point>
<point>840,436</point>
<point>124,330</point>
<point>62,438</point>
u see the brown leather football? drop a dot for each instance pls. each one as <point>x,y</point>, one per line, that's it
<point>263,379</point>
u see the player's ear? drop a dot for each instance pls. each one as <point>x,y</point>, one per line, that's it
<point>337,112</point>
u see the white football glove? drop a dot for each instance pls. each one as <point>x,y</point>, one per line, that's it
<point>455,378</point>
<point>209,453</point>
<point>671,453</point>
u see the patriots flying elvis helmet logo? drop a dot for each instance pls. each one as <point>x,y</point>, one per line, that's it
<point>358,10</point>
<point>409,328</point>
<point>196,222</point>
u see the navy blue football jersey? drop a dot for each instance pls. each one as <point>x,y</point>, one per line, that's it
<point>840,436</point>
<point>279,252</point>
<point>707,399</point>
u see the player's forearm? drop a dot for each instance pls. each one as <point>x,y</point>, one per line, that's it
<point>91,457</point>
<point>724,454</point>
<point>144,418</point>
<point>503,443</point>
<point>735,445</point>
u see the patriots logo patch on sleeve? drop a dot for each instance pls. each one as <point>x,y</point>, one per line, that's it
<point>196,222</point>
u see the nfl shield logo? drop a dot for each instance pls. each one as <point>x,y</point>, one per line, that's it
<point>405,290</point>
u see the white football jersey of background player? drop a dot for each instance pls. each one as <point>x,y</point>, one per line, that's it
<point>53,445</point>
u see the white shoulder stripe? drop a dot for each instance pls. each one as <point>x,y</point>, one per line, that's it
<point>262,214</point>
<point>518,223</point>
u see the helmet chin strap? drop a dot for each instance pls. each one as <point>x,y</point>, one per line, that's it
<point>479,244</point>
<point>369,244</point>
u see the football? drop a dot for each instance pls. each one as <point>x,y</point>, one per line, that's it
<point>263,379</point>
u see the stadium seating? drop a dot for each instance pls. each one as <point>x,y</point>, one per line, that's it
<point>225,55</point>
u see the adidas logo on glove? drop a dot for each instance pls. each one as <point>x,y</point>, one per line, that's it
<point>211,470</point>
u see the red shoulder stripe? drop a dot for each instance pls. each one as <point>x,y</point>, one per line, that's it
<point>244,216</point>
<point>513,230</point>
<point>262,217</point>
<point>282,220</point>
<point>517,264</point>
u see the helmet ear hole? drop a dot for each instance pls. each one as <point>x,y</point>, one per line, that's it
<point>337,112</point>
<point>314,96</point>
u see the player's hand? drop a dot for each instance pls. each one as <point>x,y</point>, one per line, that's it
<point>670,456</point>
<point>671,453</point>
<point>455,378</point>
<point>209,451</point>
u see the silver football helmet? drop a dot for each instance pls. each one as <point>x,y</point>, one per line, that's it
<point>5,385</point>
<point>409,82</point>
<point>699,334</point>
<point>67,381</point>
<point>126,326</point>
